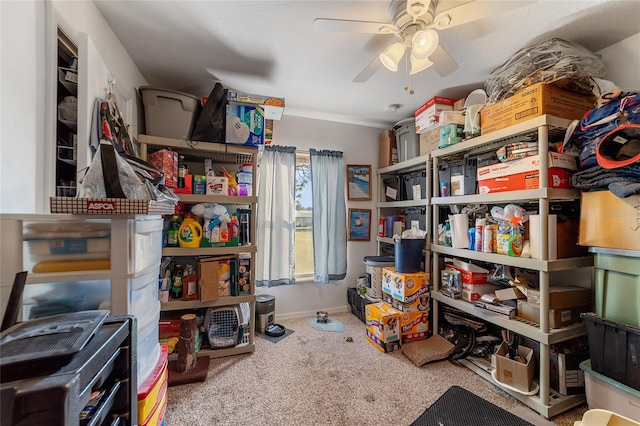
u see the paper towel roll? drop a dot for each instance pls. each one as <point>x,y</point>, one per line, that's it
<point>459,230</point>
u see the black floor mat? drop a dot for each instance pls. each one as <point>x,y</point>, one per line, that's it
<point>459,407</point>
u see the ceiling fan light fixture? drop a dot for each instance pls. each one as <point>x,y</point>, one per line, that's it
<point>419,64</point>
<point>424,43</point>
<point>391,56</point>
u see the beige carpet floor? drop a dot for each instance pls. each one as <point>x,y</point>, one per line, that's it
<point>317,378</point>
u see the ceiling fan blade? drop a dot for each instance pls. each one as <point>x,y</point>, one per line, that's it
<point>442,62</point>
<point>417,8</point>
<point>369,70</point>
<point>472,11</point>
<point>343,25</point>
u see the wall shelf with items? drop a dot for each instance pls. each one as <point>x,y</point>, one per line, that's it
<point>67,118</point>
<point>543,129</point>
<point>194,153</point>
<point>412,181</point>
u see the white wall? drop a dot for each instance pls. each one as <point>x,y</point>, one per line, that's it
<point>23,182</point>
<point>623,62</point>
<point>359,146</point>
<point>21,105</point>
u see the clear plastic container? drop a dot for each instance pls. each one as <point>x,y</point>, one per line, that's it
<point>147,249</point>
<point>148,348</point>
<point>144,292</point>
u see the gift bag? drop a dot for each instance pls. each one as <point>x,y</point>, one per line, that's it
<point>211,124</point>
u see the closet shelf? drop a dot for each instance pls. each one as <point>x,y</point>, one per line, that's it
<point>177,305</point>
<point>501,197</point>
<point>195,150</point>
<point>557,403</point>
<point>555,127</point>
<point>517,325</point>
<point>401,204</point>
<point>519,262</point>
<point>220,199</point>
<point>207,251</point>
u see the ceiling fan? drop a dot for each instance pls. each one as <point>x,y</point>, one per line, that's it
<point>415,24</point>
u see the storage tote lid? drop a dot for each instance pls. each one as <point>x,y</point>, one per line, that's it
<point>383,260</point>
<point>142,89</point>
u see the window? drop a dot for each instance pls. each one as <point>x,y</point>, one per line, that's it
<point>304,208</point>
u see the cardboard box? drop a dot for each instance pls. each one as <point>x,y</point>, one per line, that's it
<point>383,321</point>
<point>382,346</point>
<point>526,164</point>
<point>272,107</point>
<point>514,373</point>
<point>473,292</point>
<point>558,318</point>
<point>387,149</point>
<point>429,140</point>
<point>558,178</point>
<point>563,296</point>
<point>609,221</point>
<point>470,273</point>
<point>414,326</point>
<point>402,286</point>
<point>534,101</point>
<point>417,302</point>
<point>166,161</point>
<point>562,238</point>
<point>428,114</point>
<point>451,117</point>
<point>208,279</point>
<point>245,124</point>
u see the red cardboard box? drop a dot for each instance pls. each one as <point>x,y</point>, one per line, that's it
<point>427,115</point>
<point>471,274</point>
<point>558,178</point>
<point>166,161</point>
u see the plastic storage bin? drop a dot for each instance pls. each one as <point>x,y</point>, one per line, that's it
<point>40,300</point>
<point>168,113</point>
<point>606,393</point>
<point>617,290</point>
<point>614,349</point>
<point>59,244</point>
<point>374,265</point>
<point>412,181</point>
<point>413,214</point>
<point>147,250</point>
<point>407,140</point>
<point>393,188</point>
<point>151,391</point>
<point>148,346</point>
<point>408,255</point>
<point>144,292</point>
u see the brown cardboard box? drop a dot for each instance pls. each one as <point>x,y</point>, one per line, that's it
<point>387,149</point>
<point>609,221</point>
<point>429,140</point>
<point>563,297</point>
<point>557,317</point>
<point>534,101</point>
<point>208,279</point>
<point>514,373</point>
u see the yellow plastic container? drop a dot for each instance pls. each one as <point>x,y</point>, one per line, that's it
<point>190,232</point>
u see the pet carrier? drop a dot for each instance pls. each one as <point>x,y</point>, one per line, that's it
<point>226,326</point>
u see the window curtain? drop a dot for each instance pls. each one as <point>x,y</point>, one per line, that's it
<point>276,216</point>
<point>329,215</point>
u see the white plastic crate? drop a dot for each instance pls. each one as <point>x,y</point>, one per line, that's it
<point>148,347</point>
<point>147,243</point>
<point>608,394</point>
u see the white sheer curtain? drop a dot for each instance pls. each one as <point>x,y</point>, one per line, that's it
<point>329,215</point>
<point>276,216</point>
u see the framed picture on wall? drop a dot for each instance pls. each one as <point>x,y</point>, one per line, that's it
<point>359,225</point>
<point>358,182</point>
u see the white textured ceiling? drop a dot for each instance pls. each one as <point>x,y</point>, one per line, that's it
<point>271,48</point>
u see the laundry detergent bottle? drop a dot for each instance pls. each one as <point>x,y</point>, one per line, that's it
<point>190,232</point>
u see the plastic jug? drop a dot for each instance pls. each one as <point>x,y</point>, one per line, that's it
<point>190,233</point>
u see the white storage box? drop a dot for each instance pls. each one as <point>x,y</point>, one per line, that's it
<point>148,348</point>
<point>148,243</point>
<point>168,113</point>
<point>606,393</point>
